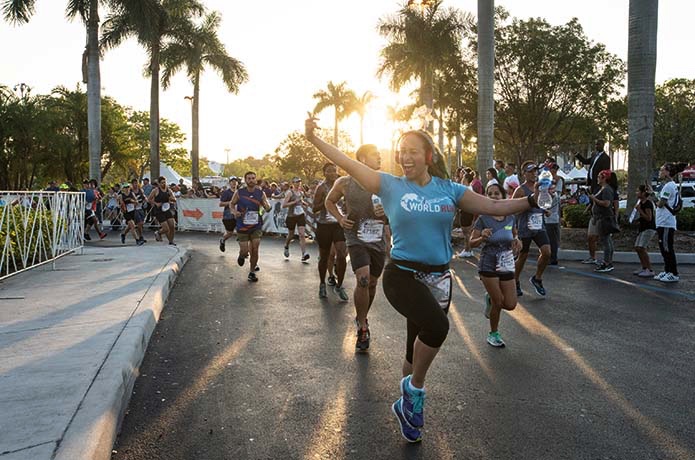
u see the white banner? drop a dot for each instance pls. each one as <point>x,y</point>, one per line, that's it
<point>206,215</point>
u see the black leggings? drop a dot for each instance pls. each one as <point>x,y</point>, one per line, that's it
<point>666,247</point>
<point>412,299</point>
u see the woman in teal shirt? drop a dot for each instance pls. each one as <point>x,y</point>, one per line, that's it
<point>420,206</point>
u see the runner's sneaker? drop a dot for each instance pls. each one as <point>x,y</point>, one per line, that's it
<point>412,403</point>
<point>139,242</point>
<point>669,278</point>
<point>222,244</point>
<point>157,236</point>
<point>362,339</point>
<point>305,257</point>
<point>409,433</point>
<point>256,268</point>
<point>488,305</point>
<point>495,339</point>
<point>646,273</point>
<point>659,276</point>
<point>286,253</point>
<point>87,237</point>
<point>589,261</point>
<point>331,280</point>
<point>537,285</point>
<point>637,272</point>
<point>241,259</point>
<point>252,277</point>
<point>171,243</point>
<point>519,292</point>
<point>102,235</point>
<point>322,291</point>
<point>465,254</point>
<point>123,238</point>
<point>604,268</point>
<point>342,293</point>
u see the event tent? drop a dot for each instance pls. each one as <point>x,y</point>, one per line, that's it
<point>171,175</point>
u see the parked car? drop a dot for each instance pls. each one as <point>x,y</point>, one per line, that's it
<point>687,190</point>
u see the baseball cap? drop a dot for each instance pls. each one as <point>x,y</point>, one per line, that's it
<point>125,184</point>
<point>296,179</point>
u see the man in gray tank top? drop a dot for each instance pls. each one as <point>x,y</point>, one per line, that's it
<point>367,235</point>
<point>531,228</point>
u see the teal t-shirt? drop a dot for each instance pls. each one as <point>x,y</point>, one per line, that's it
<point>420,217</point>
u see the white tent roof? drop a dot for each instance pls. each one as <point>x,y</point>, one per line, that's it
<point>577,173</point>
<point>171,175</point>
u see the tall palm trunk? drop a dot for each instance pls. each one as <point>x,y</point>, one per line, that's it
<point>154,112</point>
<point>427,95</point>
<point>486,83</point>
<point>195,166</point>
<point>335,128</point>
<point>94,92</point>
<point>641,68</point>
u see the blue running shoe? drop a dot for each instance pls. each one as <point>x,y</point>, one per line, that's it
<point>412,404</point>
<point>409,433</point>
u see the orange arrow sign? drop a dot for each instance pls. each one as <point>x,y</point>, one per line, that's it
<point>217,215</point>
<point>197,214</point>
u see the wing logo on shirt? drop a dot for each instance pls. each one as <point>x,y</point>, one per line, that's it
<point>412,202</point>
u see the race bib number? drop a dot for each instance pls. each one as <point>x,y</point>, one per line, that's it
<point>129,207</point>
<point>251,218</point>
<point>535,221</point>
<point>166,207</point>
<point>298,210</point>
<point>371,231</point>
<point>439,286</point>
<point>88,206</point>
<point>505,262</point>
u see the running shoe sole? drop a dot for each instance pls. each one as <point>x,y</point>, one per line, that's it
<point>415,435</point>
<point>536,288</point>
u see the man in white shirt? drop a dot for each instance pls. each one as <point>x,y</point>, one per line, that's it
<point>511,182</point>
<point>666,222</point>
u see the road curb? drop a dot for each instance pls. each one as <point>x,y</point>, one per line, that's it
<point>92,431</point>
<point>623,256</point>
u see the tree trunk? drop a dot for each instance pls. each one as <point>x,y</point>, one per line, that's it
<point>459,149</point>
<point>427,96</point>
<point>641,69</point>
<point>335,128</point>
<point>94,92</point>
<point>195,165</point>
<point>486,84</point>
<point>154,113</point>
<point>440,129</point>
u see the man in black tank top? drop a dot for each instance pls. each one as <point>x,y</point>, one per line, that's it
<point>367,235</point>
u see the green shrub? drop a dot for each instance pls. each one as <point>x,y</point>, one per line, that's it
<point>686,219</point>
<point>575,216</point>
<point>20,235</point>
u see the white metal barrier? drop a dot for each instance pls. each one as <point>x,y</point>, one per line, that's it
<point>38,227</point>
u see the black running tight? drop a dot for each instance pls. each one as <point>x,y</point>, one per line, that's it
<point>412,299</point>
<point>666,247</point>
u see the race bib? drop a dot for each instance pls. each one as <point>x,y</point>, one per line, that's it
<point>505,262</point>
<point>250,218</point>
<point>298,210</point>
<point>88,206</point>
<point>535,221</point>
<point>129,207</point>
<point>633,215</point>
<point>166,207</point>
<point>371,231</point>
<point>330,219</point>
<point>439,286</point>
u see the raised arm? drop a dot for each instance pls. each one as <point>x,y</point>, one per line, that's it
<point>475,203</point>
<point>369,178</point>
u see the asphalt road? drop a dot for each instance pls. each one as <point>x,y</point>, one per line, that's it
<point>603,368</point>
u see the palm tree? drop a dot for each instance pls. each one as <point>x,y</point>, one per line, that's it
<point>151,22</point>
<point>21,11</point>
<point>340,98</point>
<point>641,68</point>
<point>420,39</point>
<point>360,106</point>
<point>486,82</point>
<point>194,49</point>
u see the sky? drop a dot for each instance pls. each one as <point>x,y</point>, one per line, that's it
<point>292,49</point>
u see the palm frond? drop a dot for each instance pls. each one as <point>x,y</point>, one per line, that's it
<point>18,11</point>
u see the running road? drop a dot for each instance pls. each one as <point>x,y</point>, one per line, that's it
<point>604,368</point>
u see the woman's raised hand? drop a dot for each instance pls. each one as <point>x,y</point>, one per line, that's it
<point>309,126</point>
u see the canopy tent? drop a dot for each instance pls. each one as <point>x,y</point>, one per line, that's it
<point>171,175</point>
<point>577,173</point>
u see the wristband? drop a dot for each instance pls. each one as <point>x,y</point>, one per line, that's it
<point>531,201</point>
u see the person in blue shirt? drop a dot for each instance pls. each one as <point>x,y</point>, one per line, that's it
<point>420,206</point>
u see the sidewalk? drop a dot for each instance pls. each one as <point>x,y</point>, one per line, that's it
<point>71,341</point>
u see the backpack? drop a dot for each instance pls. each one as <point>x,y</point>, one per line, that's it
<point>677,206</point>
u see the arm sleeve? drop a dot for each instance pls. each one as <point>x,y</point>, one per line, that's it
<point>457,191</point>
<point>386,185</point>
